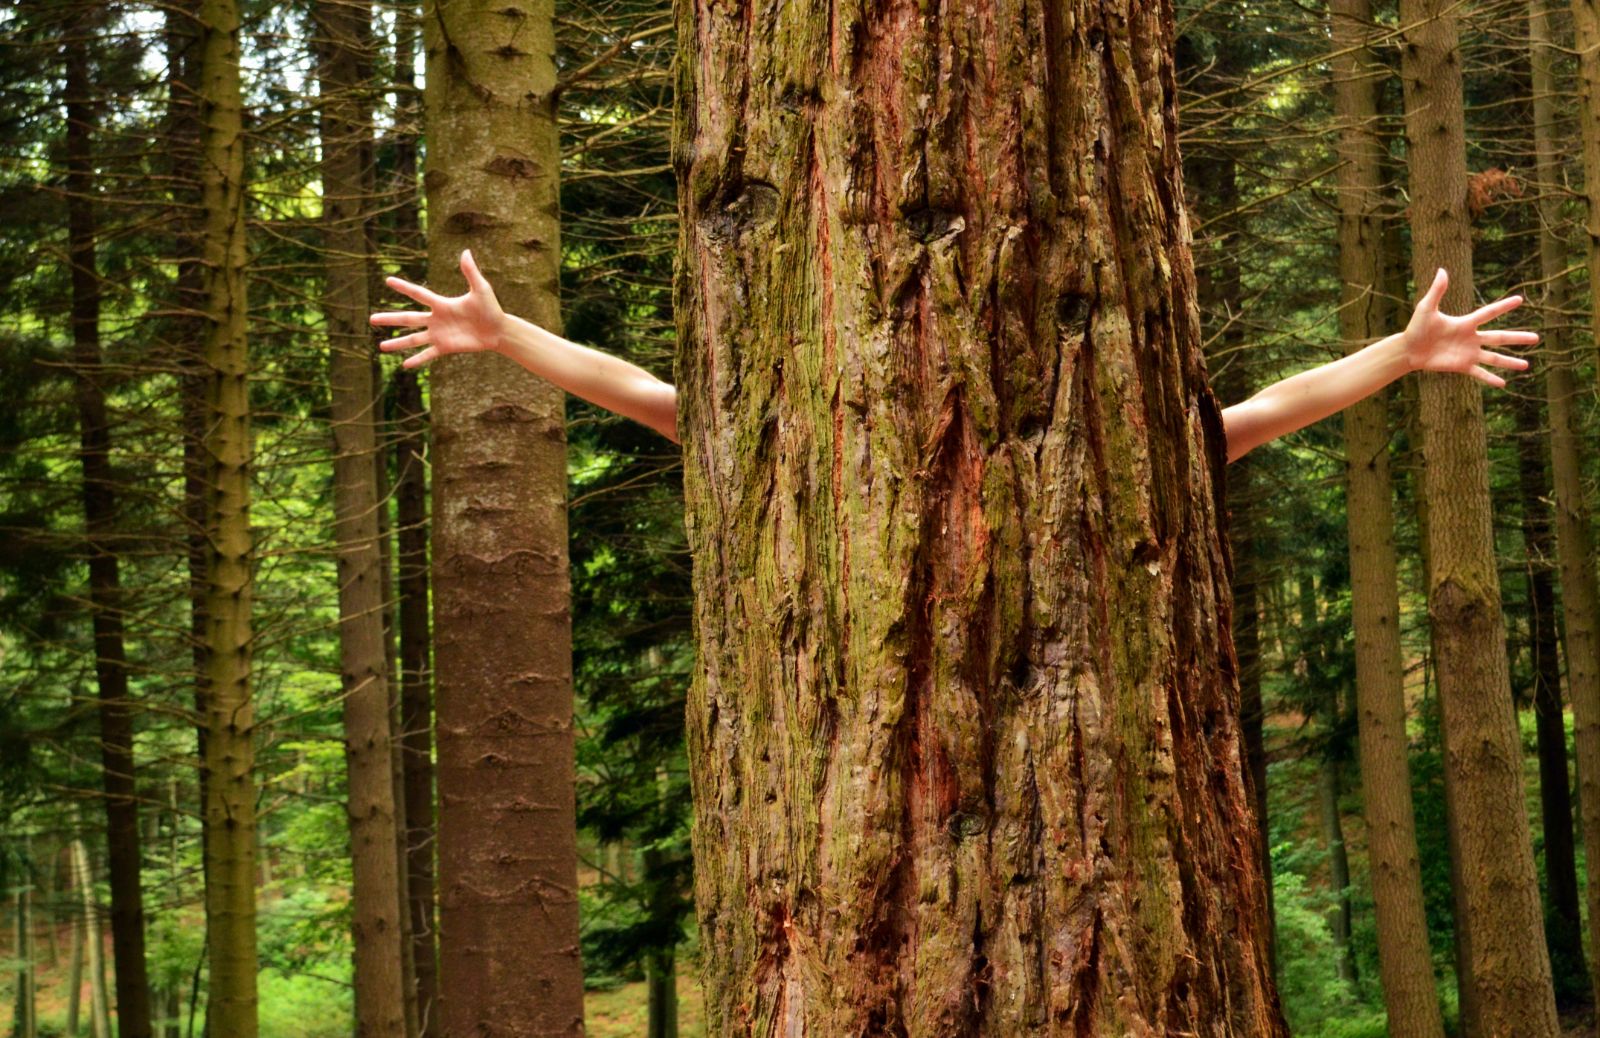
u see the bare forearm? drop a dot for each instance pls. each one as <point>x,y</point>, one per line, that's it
<point>1313,395</point>
<point>606,381</point>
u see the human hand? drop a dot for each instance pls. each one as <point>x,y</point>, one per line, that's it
<point>1439,342</point>
<point>451,324</point>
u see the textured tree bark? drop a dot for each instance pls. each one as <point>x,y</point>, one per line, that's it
<point>229,718</point>
<point>965,728</point>
<point>1580,595</point>
<point>508,898</point>
<point>105,585</point>
<point>1405,962</point>
<point>1509,966</point>
<point>343,31</point>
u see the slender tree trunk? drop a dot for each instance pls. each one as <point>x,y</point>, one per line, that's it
<point>1325,694</point>
<point>411,520</point>
<point>1562,918</point>
<point>343,29</point>
<point>188,332</point>
<point>75,965</point>
<point>661,970</point>
<point>1509,966</point>
<point>507,825</point>
<point>1580,596</point>
<point>105,586</point>
<point>1405,962</point>
<point>230,850</point>
<point>416,706</point>
<point>99,1011</point>
<point>25,1021</point>
<point>1340,915</point>
<point>964,729</point>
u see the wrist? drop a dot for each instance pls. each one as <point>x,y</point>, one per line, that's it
<point>502,333</point>
<point>1397,354</point>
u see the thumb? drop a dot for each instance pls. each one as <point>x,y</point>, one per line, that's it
<point>475,279</point>
<point>1435,294</point>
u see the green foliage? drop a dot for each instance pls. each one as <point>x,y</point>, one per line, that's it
<point>302,1005</point>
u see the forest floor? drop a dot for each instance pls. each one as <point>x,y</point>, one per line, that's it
<point>620,1012</point>
<point>624,1012</point>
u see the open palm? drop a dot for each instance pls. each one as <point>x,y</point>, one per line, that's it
<point>451,324</point>
<point>1439,342</point>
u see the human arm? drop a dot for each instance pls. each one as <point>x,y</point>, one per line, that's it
<point>474,322</point>
<point>1432,341</point>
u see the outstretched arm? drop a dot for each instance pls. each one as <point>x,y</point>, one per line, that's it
<point>474,322</point>
<point>1432,341</point>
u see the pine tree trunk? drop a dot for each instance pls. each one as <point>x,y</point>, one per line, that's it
<point>1562,916</point>
<point>1580,596</point>
<point>75,961</point>
<point>964,730</point>
<point>343,29</point>
<point>416,700</point>
<point>1562,919</point>
<point>1509,966</point>
<point>230,811</point>
<point>105,586</point>
<point>411,520</point>
<point>99,1011</point>
<point>1405,961</point>
<point>25,1021</point>
<point>508,897</point>
<point>1339,916</point>
<point>661,969</point>
<point>187,334</point>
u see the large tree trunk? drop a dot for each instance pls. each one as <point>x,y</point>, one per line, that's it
<point>965,728</point>
<point>105,585</point>
<point>229,718</point>
<point>1580,595</point>
<point>343,28</point>
<point>1509,967</point>
<point>411,520</point>
<point>508,889</point>
<point>1405,962</point>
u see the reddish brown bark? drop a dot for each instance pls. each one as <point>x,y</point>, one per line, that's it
<point>965,729</point>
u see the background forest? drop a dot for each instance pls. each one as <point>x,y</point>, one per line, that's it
<point>127,717</point>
